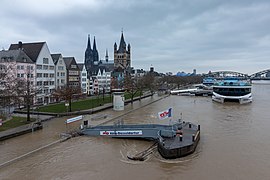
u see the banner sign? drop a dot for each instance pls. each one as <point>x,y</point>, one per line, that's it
<point>71,120</point>
<point>121,133</point>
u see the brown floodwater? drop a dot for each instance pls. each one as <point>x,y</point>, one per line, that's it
<point>234,145</point>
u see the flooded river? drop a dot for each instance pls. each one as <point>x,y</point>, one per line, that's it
<point>234,145</point>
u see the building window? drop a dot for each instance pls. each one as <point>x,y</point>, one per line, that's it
<point>30,75</point>
<point>46,91</point>
<point>51,75</point>
<point>39,83</point>
<point>60,68</point>
<point>73,66</point>
<point>39,66</point>
<point>45,67</point>
<point>45,75</point>
<point>51,67</point>
<point>45,61</point>
<point>39,75</point>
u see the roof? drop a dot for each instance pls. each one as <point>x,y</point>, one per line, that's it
<point>31,49</point>
<point>68,61</point>
<point>55,58</point>
<point>80,65</point>
<point>15,55</point>
<point>122,45</point>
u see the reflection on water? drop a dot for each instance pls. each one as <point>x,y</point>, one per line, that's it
<point>234,145</point>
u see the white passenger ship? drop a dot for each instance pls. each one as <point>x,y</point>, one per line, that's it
<point>232,89</point>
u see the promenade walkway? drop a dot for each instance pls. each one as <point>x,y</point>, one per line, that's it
<point>47,116</point>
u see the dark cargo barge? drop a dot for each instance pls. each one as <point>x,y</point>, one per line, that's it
<point>183,142</point>
<point>173,141</point>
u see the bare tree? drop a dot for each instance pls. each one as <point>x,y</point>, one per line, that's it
<point>180,81</point>
<point>8,81</point>
<point>131,85</point>
<point>18,88</point>
<point>67,93</point>
<point>149,82</point>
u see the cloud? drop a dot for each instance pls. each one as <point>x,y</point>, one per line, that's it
<point>171,35</point>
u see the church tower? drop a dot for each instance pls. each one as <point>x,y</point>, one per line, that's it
<point>122,55</point>
<point>95,53</point>
<point>88,57</point>
<point>91,58</point>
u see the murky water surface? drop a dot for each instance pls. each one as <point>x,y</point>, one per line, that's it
<point>234,145</point>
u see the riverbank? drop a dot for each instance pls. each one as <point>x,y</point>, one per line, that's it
<point>44,116</point>
<point>107,119</point>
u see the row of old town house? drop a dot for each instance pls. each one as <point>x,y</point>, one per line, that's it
<point>46,71</point>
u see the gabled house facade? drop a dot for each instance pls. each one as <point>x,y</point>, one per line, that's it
<point>83,76</point>
<point>104,80</point>
<point>15,67</point>
<point>45,69</point>
<point>60,70</point>
<point>73,72</point>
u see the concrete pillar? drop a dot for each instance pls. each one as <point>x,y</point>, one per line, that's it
<point>118,101</point>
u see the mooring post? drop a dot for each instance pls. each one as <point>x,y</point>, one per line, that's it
<point>199,127</point>
<point>181,138</point>
<point>193,137</point>
<point>189,125</point>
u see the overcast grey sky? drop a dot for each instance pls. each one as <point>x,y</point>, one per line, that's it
<point>175,35</point>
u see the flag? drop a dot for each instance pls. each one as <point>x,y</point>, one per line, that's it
<point>165,114</point>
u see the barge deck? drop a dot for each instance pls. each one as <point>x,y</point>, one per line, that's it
<point>173,141</point>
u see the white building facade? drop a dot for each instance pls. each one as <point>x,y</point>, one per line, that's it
<point>45,76</point>
<point>104,81</point>
<point>83,77</point>
<point>45,69</point>
<point>60,70</point>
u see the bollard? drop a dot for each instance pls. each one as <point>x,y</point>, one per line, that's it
<point>199,127</point>
<point>189,125</point>
<point>181,138</point>
<point>193,137</point>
